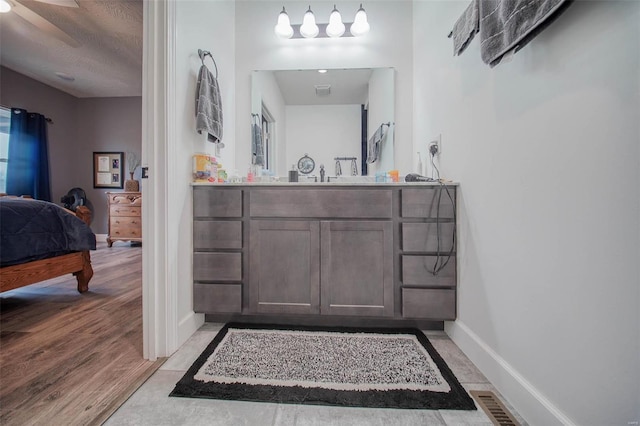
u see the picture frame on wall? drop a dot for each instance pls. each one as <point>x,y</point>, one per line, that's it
<point>107,170</point>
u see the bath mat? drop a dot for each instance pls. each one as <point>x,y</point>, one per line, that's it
<point>385,368</point>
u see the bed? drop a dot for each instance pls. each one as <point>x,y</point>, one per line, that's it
<point>41,240</point>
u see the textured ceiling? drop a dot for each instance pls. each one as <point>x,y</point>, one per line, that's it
<point>107,62</point>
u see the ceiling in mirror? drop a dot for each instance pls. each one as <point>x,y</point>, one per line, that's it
<point>346,86</point>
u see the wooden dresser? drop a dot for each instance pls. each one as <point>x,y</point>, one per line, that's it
<point>125,216</point>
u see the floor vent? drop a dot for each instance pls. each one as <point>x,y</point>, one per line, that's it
<point>494,408</point>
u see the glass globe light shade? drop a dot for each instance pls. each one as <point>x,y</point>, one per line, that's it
<point>360,25</point>
<point>4,6</point>
<point>335,27</point>
<point>283,29</point>
<point>309,29</point>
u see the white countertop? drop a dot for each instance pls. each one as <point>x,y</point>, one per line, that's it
<point>322,184</point>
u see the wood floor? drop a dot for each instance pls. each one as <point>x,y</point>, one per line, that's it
<point>68,358</point>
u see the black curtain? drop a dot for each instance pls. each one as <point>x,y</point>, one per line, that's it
<point>28,164</point>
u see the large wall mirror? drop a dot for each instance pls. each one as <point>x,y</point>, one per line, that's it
<point>339,118</point>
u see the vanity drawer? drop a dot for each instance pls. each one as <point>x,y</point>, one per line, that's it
<point>321,203</point>
<point>423,237</point>
<point>423,202</point>
<point>217,266</point>
<point>217,298</point>
<point>121,210</point>
<point>416,270</point>
<point>214,234</point>
<point>217,202</point>
<point>435,304</point>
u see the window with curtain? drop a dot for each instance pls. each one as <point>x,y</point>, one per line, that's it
<point>28,159</point>
<point>5,126</point>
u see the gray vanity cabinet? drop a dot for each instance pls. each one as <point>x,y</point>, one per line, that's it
<point>284,267</point>
<point>356,268</point>
<point>323,253</point>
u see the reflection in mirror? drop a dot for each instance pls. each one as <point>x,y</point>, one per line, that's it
<point>342,118</point>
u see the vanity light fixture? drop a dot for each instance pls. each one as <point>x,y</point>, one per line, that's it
<point>283,28</point>
<point>5,6</point>
<point>309,29</point>
<point>334,29</point>
<point>322,71</point>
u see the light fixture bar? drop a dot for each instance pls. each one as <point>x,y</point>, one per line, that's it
<point>322,31</point>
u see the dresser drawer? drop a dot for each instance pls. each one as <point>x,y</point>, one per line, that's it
<point>423,202</point>
<point>417,270</point>
<point>321,203</point>
<point>434,304</point>
<point>423,237</point>
<point>217,266</point>
<point>125,222</point>
<point>125,198</point>
<point>217,202</point>
<point>122,210</point>
<point>215,234</point>
<point>125,232</point>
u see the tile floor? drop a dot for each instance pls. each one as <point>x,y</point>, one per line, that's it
<point>150,405</point>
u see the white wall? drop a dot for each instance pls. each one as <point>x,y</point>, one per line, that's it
<point>324,132</point>
<point>206,25</point>
<point>389,44</point>
<point>546,149</point>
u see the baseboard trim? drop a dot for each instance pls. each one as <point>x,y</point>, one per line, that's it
<point>525,398</point>
<point>189,325</point>
<point>101,238</point>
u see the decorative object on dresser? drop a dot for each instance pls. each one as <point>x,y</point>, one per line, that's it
<point>133,161</point>
<point>125,217</point>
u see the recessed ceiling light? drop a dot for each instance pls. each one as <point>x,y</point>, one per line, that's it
<point>322,71</point>
<point>65,76</point>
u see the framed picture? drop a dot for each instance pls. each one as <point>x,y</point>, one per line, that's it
<point>107,170</point>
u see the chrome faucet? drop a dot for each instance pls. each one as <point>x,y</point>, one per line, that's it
<point>321,172</point>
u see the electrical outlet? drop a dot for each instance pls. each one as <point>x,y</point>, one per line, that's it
<point>435,146</point>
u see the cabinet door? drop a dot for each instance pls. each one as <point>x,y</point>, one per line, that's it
<point>357,268</point>
<point>284,267</point>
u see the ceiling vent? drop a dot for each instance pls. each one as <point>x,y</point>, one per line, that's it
<point>323,90</point>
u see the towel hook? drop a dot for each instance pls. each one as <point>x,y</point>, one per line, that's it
<point>203,54</point>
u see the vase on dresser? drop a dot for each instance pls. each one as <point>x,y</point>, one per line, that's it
<point>131,185</point>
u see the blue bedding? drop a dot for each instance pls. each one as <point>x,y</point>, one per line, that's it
<point>33,229</point>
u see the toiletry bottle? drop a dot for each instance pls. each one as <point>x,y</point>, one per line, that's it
<point>293,174</point>
<point>250,174</point>
<point>419,167</point>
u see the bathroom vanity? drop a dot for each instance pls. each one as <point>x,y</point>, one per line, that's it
<point>319,251</point>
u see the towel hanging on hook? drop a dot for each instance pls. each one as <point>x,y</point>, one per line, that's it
<point>203,54</point>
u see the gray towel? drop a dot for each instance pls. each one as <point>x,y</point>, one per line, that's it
<point>508,25</point>
<point>374,145</point>
<point>465,28</point>
<point>208,106</point>
<point>257,148</point>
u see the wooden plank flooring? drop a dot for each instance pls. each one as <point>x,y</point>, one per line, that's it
<point>68,358</point>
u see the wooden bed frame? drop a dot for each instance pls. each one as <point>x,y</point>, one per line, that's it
<point>78,263</point>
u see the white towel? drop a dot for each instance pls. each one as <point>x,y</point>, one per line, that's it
<point>208,105</point>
